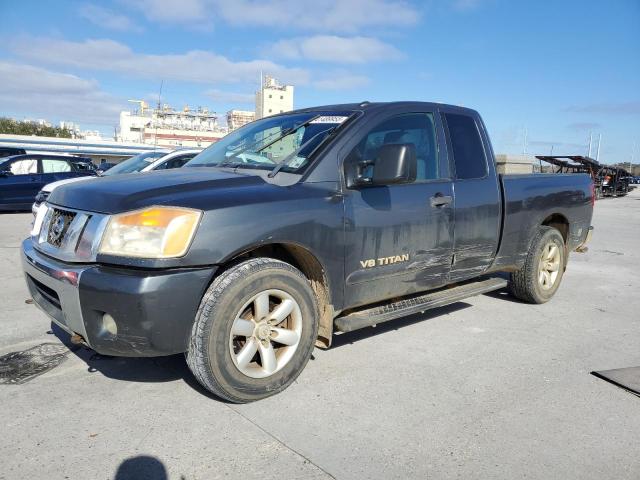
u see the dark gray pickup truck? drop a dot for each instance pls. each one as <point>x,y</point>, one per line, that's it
<point>295,226</point>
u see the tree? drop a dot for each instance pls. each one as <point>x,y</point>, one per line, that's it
<point>17,127</point>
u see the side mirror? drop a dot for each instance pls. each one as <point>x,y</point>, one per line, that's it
<point>5,173</point>
<point>394,164</point>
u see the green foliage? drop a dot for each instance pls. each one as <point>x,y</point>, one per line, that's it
<point>16,127</point>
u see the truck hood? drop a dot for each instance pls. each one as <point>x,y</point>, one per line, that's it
<point>193,187</point>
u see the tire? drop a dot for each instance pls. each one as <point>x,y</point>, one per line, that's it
<point>530,283</point>
<point>227,330</point>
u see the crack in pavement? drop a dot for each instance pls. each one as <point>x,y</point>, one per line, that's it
<point>281,442</point>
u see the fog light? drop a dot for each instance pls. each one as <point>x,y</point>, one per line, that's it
<point>109,324</point>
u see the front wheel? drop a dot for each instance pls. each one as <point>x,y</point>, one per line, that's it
<point>538,280</point>
<point>254,331</point>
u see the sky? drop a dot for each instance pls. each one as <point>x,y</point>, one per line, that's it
<point>557,70</point>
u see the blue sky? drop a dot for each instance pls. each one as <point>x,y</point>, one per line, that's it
<point>559,69</point>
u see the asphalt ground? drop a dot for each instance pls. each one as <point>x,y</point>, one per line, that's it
<point>485,388</point>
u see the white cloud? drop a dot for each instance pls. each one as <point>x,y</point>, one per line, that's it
<point>327,15</point>
<point>331,48</point>
<point>341,81</point>
<point>229,97</point>
<point>197,13</point>
<point>197,66</point>
<point>107,19</point>
<point>35,91</point>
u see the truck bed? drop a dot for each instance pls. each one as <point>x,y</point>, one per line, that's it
<point>529,200</point>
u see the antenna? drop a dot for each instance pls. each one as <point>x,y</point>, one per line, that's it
<point>524,142</point>
<point>160,94</point>
<point>155,136</point>
<point>590,141</point>
<point>598,151</point>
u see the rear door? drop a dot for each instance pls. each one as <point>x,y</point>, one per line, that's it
<point>21,183</point>
<point>478,209</point>
<point>54,169</point>
<point>399,238</point>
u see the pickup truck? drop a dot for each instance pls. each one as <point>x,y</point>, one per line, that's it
<point>294,227</point>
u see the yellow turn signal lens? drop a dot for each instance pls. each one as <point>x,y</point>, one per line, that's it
<point>155,232</point>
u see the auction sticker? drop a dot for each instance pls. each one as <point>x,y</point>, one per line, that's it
<point>329,119</point>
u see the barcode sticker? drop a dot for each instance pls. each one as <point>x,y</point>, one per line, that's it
<point>329,119</point>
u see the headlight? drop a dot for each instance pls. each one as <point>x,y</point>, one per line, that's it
<point>155,232</point>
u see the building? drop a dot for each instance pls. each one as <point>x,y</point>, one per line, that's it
<point>168,127</point>
<point>273,98</point>
<point>238,118</point>
<point>508,164</point>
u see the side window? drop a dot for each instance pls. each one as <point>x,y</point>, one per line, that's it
<point>24,167</point>
<point>176,162</point>
<point>466,145</point>
<point>180,161</point>
<point>55,166</point>
<point>417,129</point>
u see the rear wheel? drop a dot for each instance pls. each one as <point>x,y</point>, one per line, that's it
<point>254,331</point>
<point>538,280</point>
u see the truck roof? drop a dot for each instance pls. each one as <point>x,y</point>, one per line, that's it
<point>370,106</point>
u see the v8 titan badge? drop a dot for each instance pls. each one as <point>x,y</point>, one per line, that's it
<point>372,262</point>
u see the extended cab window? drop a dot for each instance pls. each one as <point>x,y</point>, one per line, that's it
<point>414,128</point>
<point>466,146</point>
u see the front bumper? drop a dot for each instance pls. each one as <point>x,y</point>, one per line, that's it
<point>153,310</point>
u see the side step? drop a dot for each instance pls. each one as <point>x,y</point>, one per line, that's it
<point>407,306</point>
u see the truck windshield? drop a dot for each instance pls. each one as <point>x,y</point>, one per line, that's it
<point>134,164</point>
<point>284,141</point>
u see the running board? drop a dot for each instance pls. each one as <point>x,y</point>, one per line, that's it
<point>409,306</point>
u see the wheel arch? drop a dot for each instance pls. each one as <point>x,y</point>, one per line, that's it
<point>304,260</point>
<point>560,223</point>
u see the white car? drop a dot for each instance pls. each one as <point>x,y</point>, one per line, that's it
<point>143,162</point>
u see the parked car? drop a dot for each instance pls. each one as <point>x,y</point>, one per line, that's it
<point>293,226</point>
<point>22,176</point>
<point>10,151</point>
<point>104,166</point>
<point>143,162</point>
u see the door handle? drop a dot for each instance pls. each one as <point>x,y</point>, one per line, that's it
<point>439,200</point>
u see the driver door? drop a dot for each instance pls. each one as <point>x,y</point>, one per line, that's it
<point>399,238</point>
<point>21,182</point>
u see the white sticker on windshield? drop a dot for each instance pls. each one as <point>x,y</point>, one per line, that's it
<point>329,119</point>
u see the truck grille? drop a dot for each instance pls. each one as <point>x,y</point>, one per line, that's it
<point>58,226</point>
